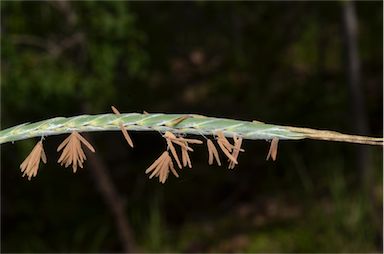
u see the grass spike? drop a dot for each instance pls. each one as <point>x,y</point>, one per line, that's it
<point>194,125</point>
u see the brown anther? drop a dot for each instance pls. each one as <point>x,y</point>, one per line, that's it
<point>183,143</point>
<point>273,149</point>
<point>225,146</point>
<point>160,168</point>
<point>236,150</point>
<point>212,152</point>
<point>72,152</point>
<point>123,130</point>
<point>30,165</point>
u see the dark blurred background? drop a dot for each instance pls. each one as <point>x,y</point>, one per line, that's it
<point>317,65</point>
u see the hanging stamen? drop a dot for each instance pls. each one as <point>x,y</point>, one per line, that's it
<point>212,152</point>
<point>30,165</point>
<point>273,149</point>
<point>224,141</point>
<point>183,143</point>
<point>72,153</point>
<point>185,156</point>
<point>236,150</point>
<point>123,130</point>
<point>173,138</point>
<point>173,151</point>
<point>225,146</point>
<point>160,168</point>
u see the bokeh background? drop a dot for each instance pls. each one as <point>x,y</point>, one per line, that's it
<point>311,64</point>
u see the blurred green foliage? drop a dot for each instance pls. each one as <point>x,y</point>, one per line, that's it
<point>276,62</point>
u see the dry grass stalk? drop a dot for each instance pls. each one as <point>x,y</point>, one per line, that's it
<point>212,152</point>
<point>225,146</point>
<point>72,153</point>
<point>160,168</point>
<point>236,150</point>
<point>336,136</point>
<point>123,130</point>
<point>31,164</point>
<point>183,143</point>
<point>273,149</point>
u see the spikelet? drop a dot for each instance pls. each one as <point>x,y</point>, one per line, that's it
<point>212,152</point>
<point>176,121</point>
<point>72,152</point>
<point>273,149</point>
<point>123,130</point>
<point>160,168</point>
<point>30,165</point>
<point>236,150</point>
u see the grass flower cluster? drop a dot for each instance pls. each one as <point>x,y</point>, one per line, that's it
<point>174,129</point>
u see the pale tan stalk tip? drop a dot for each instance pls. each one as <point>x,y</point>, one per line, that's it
<point>273,149</point>
<point>72,153</point>
<point>30,165</point>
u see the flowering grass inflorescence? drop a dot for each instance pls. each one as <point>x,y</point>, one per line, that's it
<point>173,128</point>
